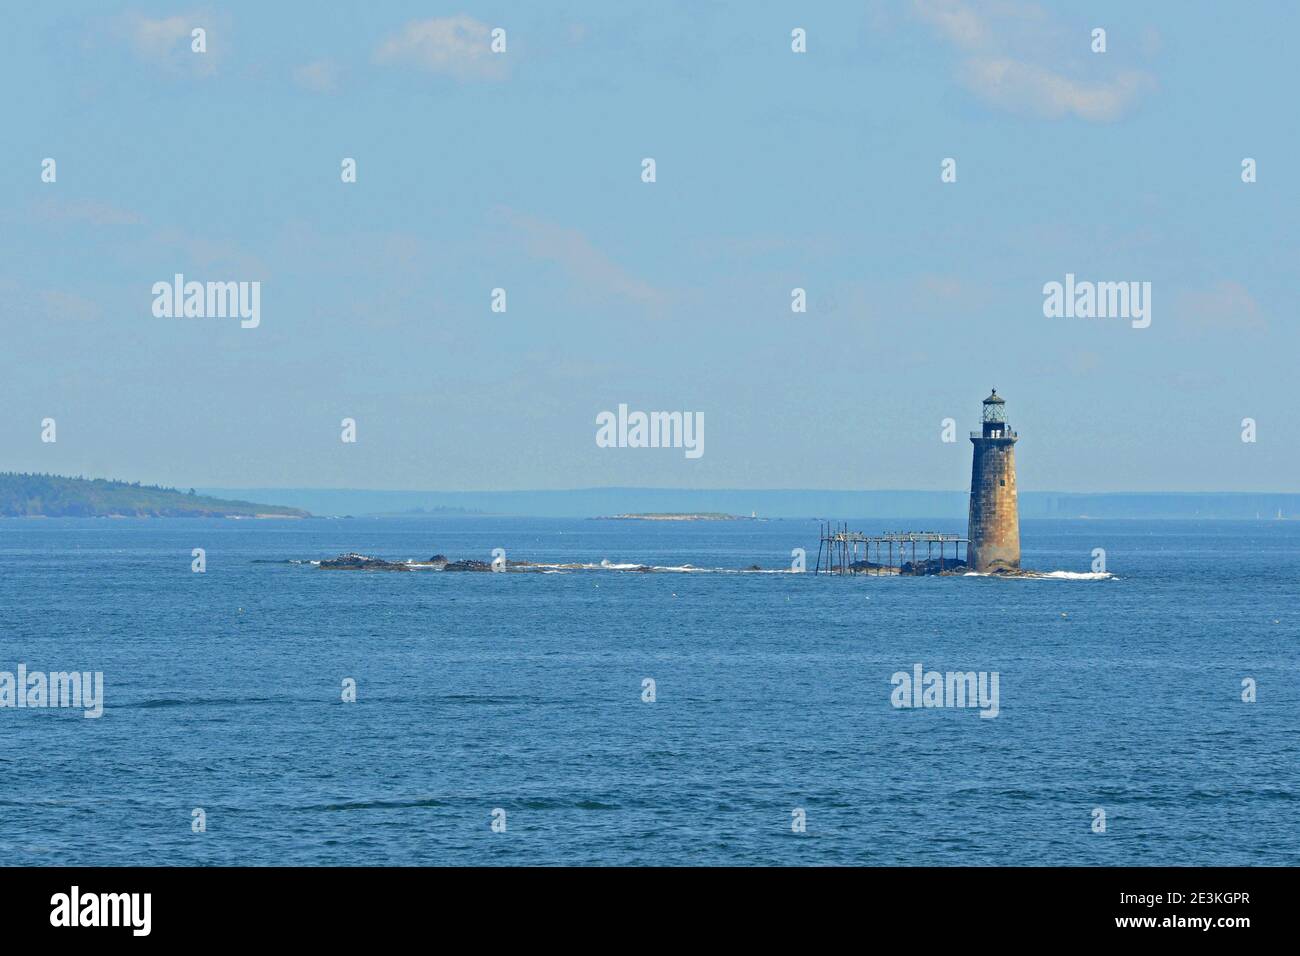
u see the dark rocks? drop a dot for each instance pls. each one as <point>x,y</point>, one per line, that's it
<point>909,568</point>
<point>352,561</point>
<point>360,562</point>
<point>467,564</point>
<point>932,566</point>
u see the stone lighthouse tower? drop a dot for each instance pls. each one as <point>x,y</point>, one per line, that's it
<point>994,517</point>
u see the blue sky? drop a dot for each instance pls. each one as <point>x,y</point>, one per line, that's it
<point>775,170</point>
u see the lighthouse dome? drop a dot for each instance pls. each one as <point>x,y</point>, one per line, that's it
<point>995,413</point>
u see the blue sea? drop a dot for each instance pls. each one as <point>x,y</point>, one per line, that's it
<point>523,693</point>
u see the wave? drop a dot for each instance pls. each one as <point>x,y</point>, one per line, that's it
<point>153,703</point>
<point>651,568</point>
<point>379,804</point>
<point>1077,575</point>
<point>1048,575</point>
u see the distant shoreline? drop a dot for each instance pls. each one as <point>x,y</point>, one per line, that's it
<point>583,503</point>
<point>677,516</point>
<point>24,495</point>
<point>128,517</point>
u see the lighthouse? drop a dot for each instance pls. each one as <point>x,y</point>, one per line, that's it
<point>994,529</point>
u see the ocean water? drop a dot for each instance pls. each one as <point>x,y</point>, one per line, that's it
<point>523,692</point>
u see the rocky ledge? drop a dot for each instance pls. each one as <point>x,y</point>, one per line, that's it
<point>910,568</point>
<point>360,562</point>
<point>352,561</point>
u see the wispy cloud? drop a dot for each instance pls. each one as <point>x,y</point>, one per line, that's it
<point>166,41</point>
<point>580,258</point>
<point>1018,86</point>
<point>1012,56</point>
<point>68,305</point>
<point>956,22</point>
<point>47,305</point>
<point>161,37</point>
<point>319,76</point>
<point>219,257</point>
<point>1226,305</point>
<point>53,211</point>
<point>457,46</point>
<point>946,290</point>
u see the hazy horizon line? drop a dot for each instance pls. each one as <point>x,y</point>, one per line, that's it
<point>709,490</point>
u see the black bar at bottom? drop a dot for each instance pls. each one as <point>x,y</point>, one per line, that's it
<point>339,904</point>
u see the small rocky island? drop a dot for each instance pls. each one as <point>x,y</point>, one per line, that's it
<point>361,562</point>
<point>352,561</point>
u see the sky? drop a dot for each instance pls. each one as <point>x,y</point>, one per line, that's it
<point>774,170</point>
